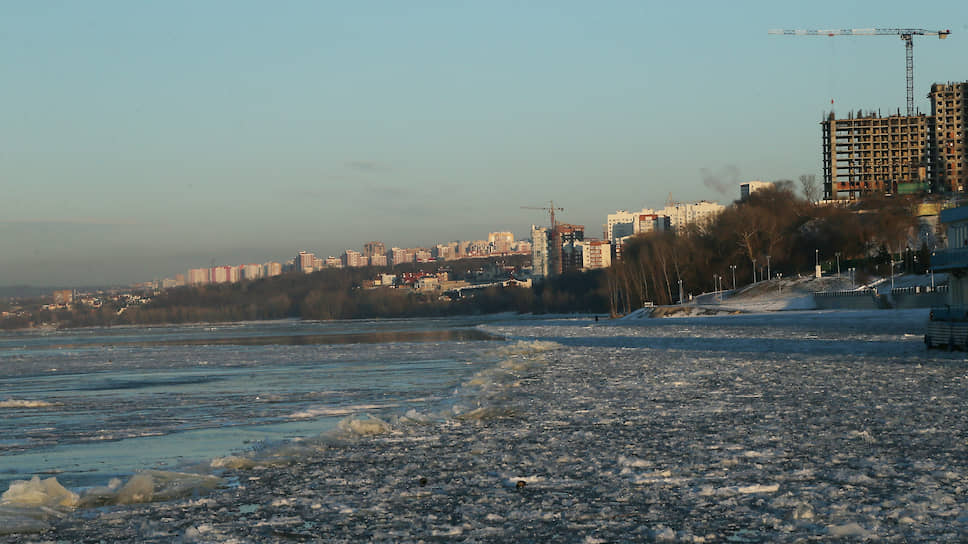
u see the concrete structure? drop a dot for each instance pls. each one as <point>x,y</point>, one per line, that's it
<point>500,242</point>
<point>949,107</point>
<point>400,256</point>
<point>225,274</point>
<point>374,248</point>
<point>332,262</point>
<point>566,235</point>
<point>595,254</point>
<point>650,222</point>
<point>695,213</point>
<point>619,224</point>
<point>750,187</point>
<point>272,268</point>
<point>199,276</point>
<point>354,259</point>
<point>902,154</point>
<point>304,262</point>
<point>873,154</point>
<point>378,260</point>
<point>540,251</point>
<point>251,271</point>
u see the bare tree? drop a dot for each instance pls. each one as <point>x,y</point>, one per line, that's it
<point>808,184</point>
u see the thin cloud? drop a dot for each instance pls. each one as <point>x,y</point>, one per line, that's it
<point>367,166</point>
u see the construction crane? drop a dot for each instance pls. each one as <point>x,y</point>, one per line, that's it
<point>906,34</point>
<point>551,211</point>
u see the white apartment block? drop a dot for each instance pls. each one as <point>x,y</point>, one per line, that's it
<point>272,268</point>
<point>354,259</point>
<point>750,187</point>
<point>699,213</point>
<point>540,240</point>
<point>251,271</point>
<point>595,253</point>
<point>500,242</point>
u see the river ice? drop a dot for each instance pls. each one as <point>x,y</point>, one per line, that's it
<point>790,427</point>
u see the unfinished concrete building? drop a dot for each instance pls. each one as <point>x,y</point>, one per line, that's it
<point>874,154</point>
<point>868,153</point>
<point>949,107</point>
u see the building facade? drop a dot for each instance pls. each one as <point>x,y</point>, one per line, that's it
<point>750,187</point>
<point>354,259</point>
<point>540,251</point>
<point>699,213</point>
<point>872,154</point>
<point>868,153</point>
<point>595,254</point>
<point>500,242</point>
<point>949,107</point>
<point>374,248</point>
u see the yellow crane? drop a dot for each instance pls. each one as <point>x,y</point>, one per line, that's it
<point>906,34</point>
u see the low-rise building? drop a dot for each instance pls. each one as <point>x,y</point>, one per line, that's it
<point>750,187</point>
<point>595,254</point>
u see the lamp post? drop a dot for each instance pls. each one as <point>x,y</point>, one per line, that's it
<point>715,291</point>
<point>733,268</point>
<point>892,273</point>
<point>754,270</point>
<point>838,263</point>
<point>680,291</point>
<point>768,275</point>
<point>816,253</point>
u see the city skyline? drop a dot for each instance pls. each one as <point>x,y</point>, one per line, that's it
<point>146,139</point>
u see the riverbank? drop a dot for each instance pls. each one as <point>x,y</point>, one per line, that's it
<point>773,427</point>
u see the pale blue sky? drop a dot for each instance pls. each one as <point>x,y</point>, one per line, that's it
<point>140,139</point>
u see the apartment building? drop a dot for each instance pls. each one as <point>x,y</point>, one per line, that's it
<point>949,107</point>
<point>873,154</point>
<point>867,153</point>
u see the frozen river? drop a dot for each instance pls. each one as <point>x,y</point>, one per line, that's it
<point>751,428</point>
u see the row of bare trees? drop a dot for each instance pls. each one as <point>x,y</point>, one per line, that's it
<point>774,230</point>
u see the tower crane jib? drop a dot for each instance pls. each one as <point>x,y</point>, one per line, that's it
<point>906,34</point>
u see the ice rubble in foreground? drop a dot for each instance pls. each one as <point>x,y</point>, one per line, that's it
<point>715,435</point>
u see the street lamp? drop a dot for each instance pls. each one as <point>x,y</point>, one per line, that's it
<point>838,263</point>
<point>816,253</point>
<point>733,268</point>
<point>892,273</point>
<point>768,276</point>
<point>754,270</point>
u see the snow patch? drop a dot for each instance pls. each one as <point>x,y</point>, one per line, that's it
<point>21,403</point>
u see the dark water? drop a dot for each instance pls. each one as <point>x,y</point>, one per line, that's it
<point>92,404</point>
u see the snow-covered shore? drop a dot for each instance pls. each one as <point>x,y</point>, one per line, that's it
<point>748,428</point>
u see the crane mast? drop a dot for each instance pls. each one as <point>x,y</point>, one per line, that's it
<point>906,34</point>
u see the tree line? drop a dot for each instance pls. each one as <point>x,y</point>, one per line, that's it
<point>773,230</point>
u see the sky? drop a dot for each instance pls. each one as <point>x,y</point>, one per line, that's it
<point>140,139</point>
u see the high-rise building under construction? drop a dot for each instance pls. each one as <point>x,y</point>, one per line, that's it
<point>868,153</point>
<point>949,107</point>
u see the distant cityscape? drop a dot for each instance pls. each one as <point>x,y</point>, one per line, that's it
<point>554,250</point>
